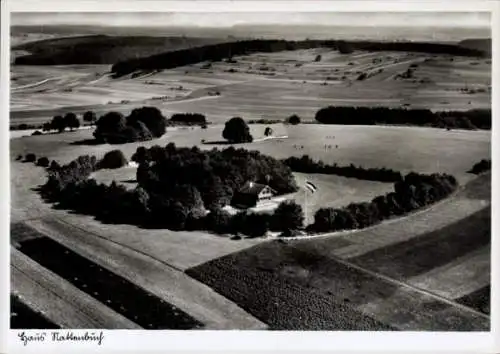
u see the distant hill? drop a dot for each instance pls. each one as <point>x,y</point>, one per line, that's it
<point>215,52</point>
<point>102,49</point>
<point>483,44</point>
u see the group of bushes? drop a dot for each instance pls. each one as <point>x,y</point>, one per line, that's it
<point>306,164</point>
<point>31,157</point>
<point>141,124</point>
<point>414,191</point>
<point>472,119</point>
<point>481,166</point>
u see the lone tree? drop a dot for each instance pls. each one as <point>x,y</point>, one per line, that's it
<point>318,58</point>
<point>236,130</point>
<point>43,162</point>
<point>268,131</point>
<point>288,216</point>
<point>90,117</point>
<point>113,159</point>
<point>58,123</point>
<point>71,121</point>
<point>30,157</point>
<point>294,119</point>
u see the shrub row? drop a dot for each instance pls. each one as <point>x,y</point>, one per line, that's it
<point>413,192</point>
<point>188,118</point>
<point>306,164</point>
<point>472,119</point>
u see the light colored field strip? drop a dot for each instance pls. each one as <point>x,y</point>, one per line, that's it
<point>409,287</point>
<point>402,229</point>
<point>58,299</point>
<point>161,279</point>
<point>458,278</point>
<point>409,311</point>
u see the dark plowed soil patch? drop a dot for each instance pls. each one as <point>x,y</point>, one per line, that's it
<point>426,252</point>
<point>479,299</point>
<point>22,316</point>
<point>272,282</point>
<point>117,293</point>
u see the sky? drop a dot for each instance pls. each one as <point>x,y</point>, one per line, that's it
<point>228,19</point>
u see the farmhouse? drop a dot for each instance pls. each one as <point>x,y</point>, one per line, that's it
<point>251,193</point>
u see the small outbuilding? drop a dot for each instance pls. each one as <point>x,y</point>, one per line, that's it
<point>252,193</point>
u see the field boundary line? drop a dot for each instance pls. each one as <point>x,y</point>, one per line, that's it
<point>451,198</point>
<point>404,285</point>
<point>116,243</point>
<point>86,315</point>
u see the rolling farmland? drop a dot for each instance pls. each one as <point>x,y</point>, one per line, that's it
<point>269,85</point>
<point>429,270</point>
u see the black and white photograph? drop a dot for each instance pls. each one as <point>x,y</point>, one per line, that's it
<point>249,170</point>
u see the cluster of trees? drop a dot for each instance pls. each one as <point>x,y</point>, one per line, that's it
<point>141,124</point>
<point>306,164</point>
<point>217,52</point>
<point>185,189</point>
<point>63,179</point>
<point>189,118</point>
<point>472,119</point>
<point>175,189</point>
<point>413,192</point>
<point>60,123</point>
<point>480,167</point>
<point>214,174</point>
<point>237,131</point>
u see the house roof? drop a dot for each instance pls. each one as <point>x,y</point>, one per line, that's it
<point>252,188</point>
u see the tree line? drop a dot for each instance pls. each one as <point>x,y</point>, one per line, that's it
<point>471,119</point>
<point>217,52</point>
<point>306,164</point>
<point>192,195</point>
<point>189,118</point>
<point>414,191</point>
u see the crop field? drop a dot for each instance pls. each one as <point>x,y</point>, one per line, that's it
<point>266,85</point>
<point>419,281</point>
